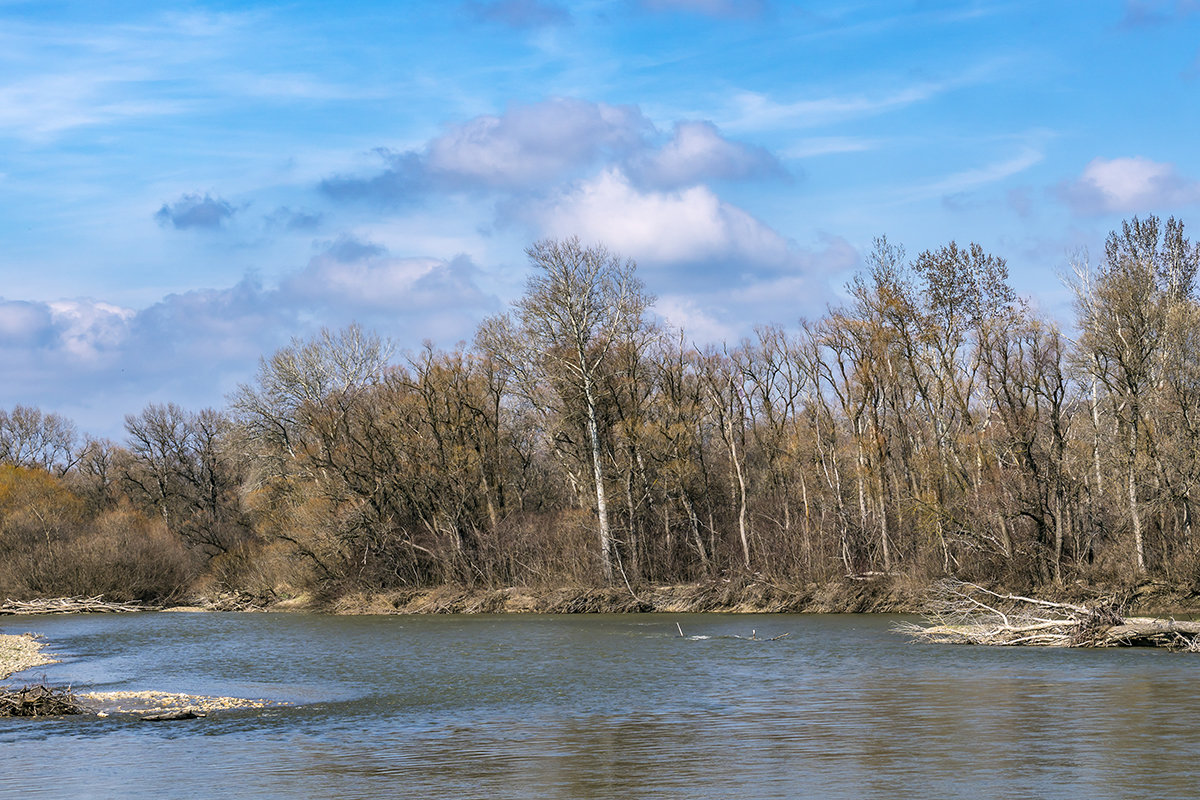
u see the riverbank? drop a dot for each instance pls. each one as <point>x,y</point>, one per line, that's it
<point>21,652</point>
<point>875,593</point>
<point>878,594</point>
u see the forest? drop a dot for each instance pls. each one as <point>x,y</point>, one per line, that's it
<point>931,425</point>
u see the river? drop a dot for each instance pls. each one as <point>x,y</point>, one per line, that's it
<point>602,707</point>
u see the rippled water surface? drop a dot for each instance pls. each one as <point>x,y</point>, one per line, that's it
<point>602,706</point>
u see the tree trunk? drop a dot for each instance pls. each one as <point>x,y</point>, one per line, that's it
<point>598,474</point>
<point>741,479</point>
<point>1135,516</point>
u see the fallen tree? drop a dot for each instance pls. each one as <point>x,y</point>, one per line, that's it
<point>964,613</point>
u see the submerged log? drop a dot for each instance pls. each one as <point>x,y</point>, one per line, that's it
<point>964,613</point>
<point>171,716</point>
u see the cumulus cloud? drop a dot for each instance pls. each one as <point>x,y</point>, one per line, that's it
<point>532,148</point>
<point>89,330</point>
<point>691,224</point>
<point>402,182</point>
<point>364,277</point>
<point>195,211</point>
<point>194,347</point>
<point>534,143</point>
<point>526,147</point>
<point>1125,185</point>
<point>519,13</point>
<point>23,322</point>
<point>697,152</point>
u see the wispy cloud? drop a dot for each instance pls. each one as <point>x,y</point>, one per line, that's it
<point>60,78</point>
<point>814,146</point>
<point>750,110</point>
<point>976,177</point>
<point>41,107</point>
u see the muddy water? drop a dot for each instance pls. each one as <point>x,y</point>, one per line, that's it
<point>602,707</point>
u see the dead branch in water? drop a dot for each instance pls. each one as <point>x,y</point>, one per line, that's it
<point>964,613</point>
<point>40,701</point>
<point>68,605</point>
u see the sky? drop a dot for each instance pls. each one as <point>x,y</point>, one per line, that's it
<point>185,187</point>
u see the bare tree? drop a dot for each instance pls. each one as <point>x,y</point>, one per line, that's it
<point>1124,313</point>
<point>578,305</point>
<point>31,438</point>
<point>302,376</point>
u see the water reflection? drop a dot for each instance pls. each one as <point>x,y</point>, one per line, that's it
<point>590,707</point>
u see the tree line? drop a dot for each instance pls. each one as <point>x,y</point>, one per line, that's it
<point>932,424</point>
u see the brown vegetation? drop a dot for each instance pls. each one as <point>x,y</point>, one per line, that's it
<point>933,425</point>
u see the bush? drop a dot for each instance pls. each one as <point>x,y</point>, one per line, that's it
<point>120,554</point>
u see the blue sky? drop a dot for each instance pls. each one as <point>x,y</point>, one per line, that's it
<point>185,187</point>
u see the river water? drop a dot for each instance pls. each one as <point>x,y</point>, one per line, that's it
<point>602,707</point>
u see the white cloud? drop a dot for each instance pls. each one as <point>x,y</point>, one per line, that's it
<point>87,329</point>
<point>1128,185</point>
<point>692,224</point>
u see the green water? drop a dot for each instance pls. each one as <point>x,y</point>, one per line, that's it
<point>602,707</point>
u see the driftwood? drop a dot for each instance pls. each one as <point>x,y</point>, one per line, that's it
<point>40,701</point>
<point>171,716</point>
<point>68,605</point>
<point>963,613</point>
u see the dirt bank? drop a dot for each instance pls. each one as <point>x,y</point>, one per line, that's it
<point>732,596</point>
<point>20,652</point>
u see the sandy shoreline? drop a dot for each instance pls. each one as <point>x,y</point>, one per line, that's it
<point>21,652</point>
